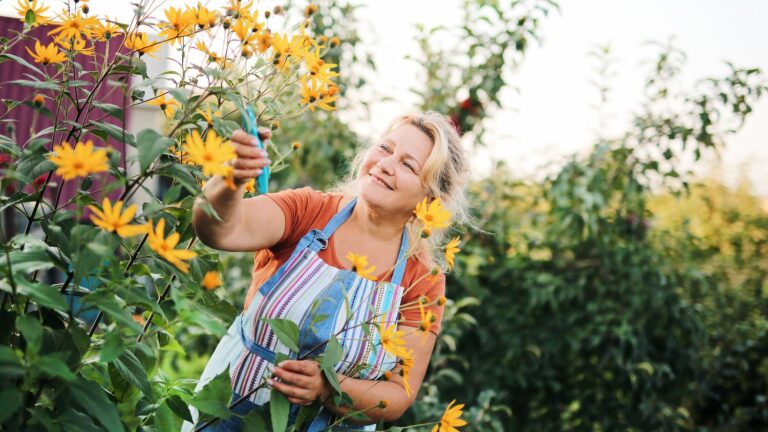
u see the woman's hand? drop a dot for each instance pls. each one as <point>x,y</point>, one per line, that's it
<point>250,158</point>
<point>301,381</point>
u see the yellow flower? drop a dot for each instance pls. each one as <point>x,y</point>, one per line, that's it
<point>264,41</point>
<point>47,54</point>
<point>80,161</point>
<point>318,68</point>
<point>166,247</point>
<point>245,31</point>
<point>392,339</point>
<point>140,43</point>
<point>434,215</point>
<point>179,24</point>
<point>105,29</point>
<point>250,187</point>
<point>25,7</point>
<point>450,251</point>
<point>212,56</point>
<point>210,155</point>
<point>313,95</point>
<point>167,105</point>
<point>310,10</point>
<point>237,9</point>
<point>110,219</point>
<point>427,318</point>
<point>202,16</point>
<point>450,419</point>
<point>211,280</point>
<point>75,27</point>
<point>76,46</point>
<point>359,264</point>
<point>407,363</point>
<point>209,116</point>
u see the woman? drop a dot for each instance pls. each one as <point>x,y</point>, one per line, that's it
<point>305,240</point>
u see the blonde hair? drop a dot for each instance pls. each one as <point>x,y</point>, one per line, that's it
<point>445,175</point>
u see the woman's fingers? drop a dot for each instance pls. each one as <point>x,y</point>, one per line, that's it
<point>306,367</point>
<point>242,137</point>
<point>291,391</point>
<point>250,164</point>
<point>294,379</point>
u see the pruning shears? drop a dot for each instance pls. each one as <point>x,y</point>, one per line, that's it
<point>249,119</point>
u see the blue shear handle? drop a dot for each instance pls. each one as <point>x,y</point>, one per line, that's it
<point>250,123</point>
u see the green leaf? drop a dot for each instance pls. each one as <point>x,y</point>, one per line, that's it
<point>306,413</point>
<point>181,173</point>
<point>104,130</point>
<point>32,330</point>
<point>40,85</point>
<point>92,398</point>
<point>150,145</point>
<point>21,61</point>
<point>28,260</point>
<point>213,399</point>
<point>179,94</point>
<point>10,364</point>
<point>30,18</point>
<point>107,302</point>
<point>330,375</point>
<point>333,353</point>
<point>42,294</point>
<point>111,109</point>
<point>11,398</point>
<point>129,366</point>
<point>179,407</point>
<point>278,410</point>
<point>286,331</point>
<point>112,347</point>
<point>55,367</point>
<point>254,422</point>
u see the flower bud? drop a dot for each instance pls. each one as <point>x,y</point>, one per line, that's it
<point>38,101</point>
<point>226,22</point>
<point>441,300</point>
<point>383,404</point>
<point>267,14</point>
<point>275,125</point>
<point>335,42</point>
<point>296,145</point>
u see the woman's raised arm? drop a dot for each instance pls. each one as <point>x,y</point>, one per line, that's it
<point>246,224</point>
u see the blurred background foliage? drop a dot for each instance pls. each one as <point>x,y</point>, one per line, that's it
<point>620,293</point>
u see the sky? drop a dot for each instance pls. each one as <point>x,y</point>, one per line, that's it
<point>549,117</point>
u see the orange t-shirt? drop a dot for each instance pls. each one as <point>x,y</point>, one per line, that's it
<point>306,209</point>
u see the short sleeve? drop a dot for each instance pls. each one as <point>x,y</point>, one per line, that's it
<point>301,208</point>
<point>432,288</point>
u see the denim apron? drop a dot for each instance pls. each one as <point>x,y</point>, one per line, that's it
<point>323,301</point>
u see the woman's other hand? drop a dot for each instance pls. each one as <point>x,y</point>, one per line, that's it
<point>250,158</point>
<point>301,381</point>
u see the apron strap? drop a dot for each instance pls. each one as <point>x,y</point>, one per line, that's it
<point>397,276</point>
<point>319,240</point>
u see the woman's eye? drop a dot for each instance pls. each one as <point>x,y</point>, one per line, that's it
<point>409,166</point>
<point>384,147</point>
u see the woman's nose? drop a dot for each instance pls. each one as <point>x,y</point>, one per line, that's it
<point>385,165</point>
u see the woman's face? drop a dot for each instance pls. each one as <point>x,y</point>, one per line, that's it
<point>390,174</point>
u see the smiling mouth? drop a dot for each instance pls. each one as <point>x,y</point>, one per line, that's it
<point>381,182</point>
